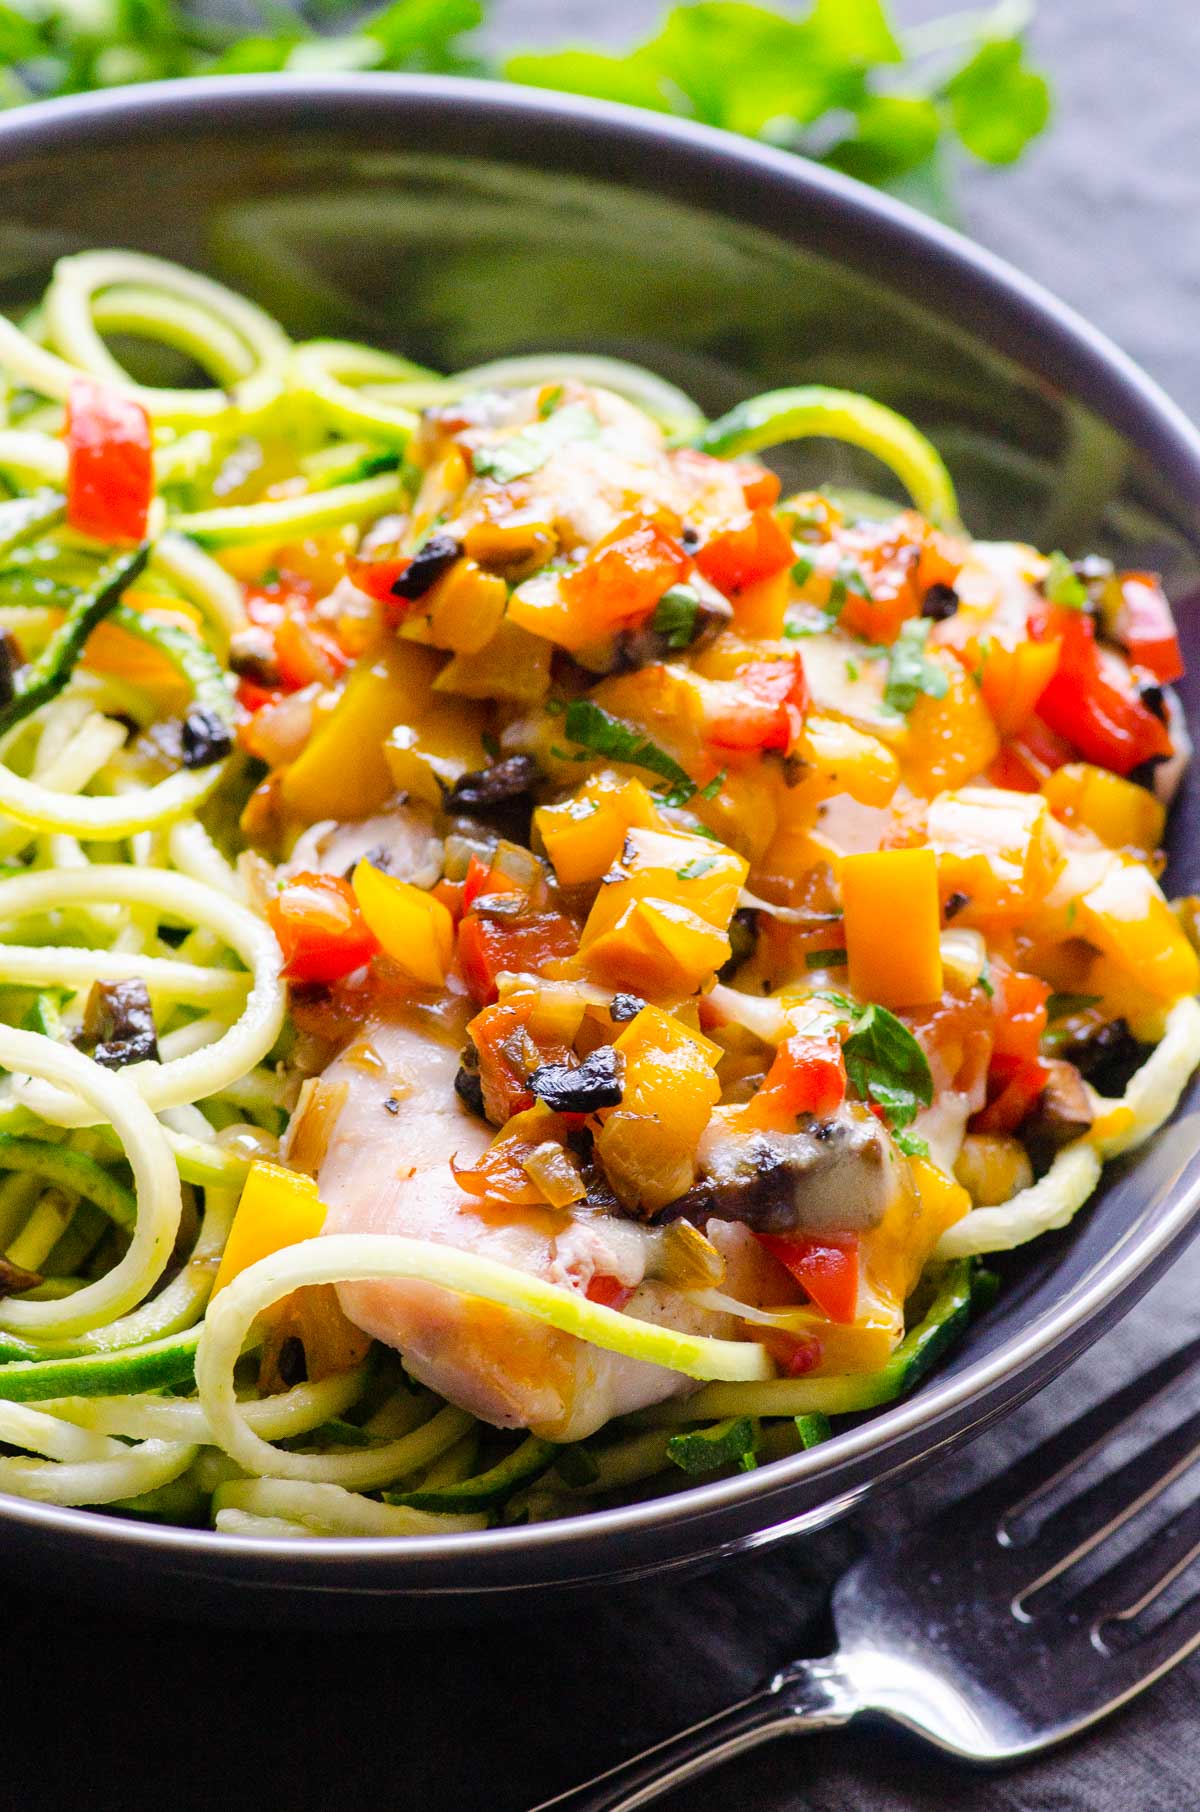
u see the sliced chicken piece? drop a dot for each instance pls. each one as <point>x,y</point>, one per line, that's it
<point>386,1169</point>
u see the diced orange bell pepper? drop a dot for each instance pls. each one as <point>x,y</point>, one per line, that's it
<point>647,1145</point>
<point>950,739</point>
<point>619,584</point>
<point>892,926</point>
<point>660,918</point>
<point>766,707</point>
<point>754,547</point>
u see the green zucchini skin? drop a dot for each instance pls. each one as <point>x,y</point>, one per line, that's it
<point>486,1489</point>
<point>45,677</point>
<point>154,1366</point>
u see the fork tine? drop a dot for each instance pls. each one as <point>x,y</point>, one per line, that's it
<point>1018,1489</point>
<point>1086,1521</point>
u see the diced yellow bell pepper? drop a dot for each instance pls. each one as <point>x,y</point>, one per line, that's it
<point>849,761</point>
<point>647,1145</point>
<point>759,609</point>
<point>845,1346</point>
<point>435,746</point>
<point>1126,916</point>
<point>1121,814</point>
<point>342,772</point>
<point>465,607</point>
<point>993,846</point>
<point>894,1254</point>
<point>514,664</point>
<point>892,926</point>
<point>663,912</point>
<point>584,835</point>
<point>278,1208</point>
<point>950,739</point>
<point>414,930</point>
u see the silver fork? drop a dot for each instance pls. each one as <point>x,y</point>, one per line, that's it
<point>977,1630</point>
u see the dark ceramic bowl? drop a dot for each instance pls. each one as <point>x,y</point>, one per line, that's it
<point>456,221</point>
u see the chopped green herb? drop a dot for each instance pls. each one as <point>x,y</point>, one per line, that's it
<point>529,450</point>
<point>887,1065</point>
<point>692,871</point>
<point>707,1449</point>
<point>802,571</point>
<point>715,784</point>
<point>554,706</point>
<point>550,401</point>
<point>597,729</point>
<point>832,958</point>
<point>675,616</point>
<point>816,622</point>
<point>1065,1006</point>
<point>851,670</point>
<point>910,670</point>
<point>985,980</point>
<point>911,1144</point>
<point>1062,584</point>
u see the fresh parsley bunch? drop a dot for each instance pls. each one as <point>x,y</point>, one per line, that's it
<point>837,82</point>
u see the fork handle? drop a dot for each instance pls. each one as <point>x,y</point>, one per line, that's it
<point>810,1695</point>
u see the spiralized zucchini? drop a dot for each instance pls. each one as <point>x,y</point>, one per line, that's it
<point>123,1382</point>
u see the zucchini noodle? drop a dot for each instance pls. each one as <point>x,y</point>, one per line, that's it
<point>261,638</point>
<point>155,1180</point>
<point>812,410</point>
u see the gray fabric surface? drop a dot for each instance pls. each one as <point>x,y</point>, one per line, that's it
<point>127,1714</point>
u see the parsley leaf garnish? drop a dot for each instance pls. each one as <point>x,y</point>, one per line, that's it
<point>887,1065</point>
<point>675,616</point>
<point>1062,584</point>
<point>911,1144</point>
<point>910,670</point>
<point>594,728</point>
<point>525,452</point>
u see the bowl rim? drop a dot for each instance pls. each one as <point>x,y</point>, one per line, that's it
<point>1054,341</point>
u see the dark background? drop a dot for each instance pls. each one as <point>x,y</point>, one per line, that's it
<point>105,1711</point>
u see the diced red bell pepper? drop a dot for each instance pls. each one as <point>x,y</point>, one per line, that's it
<point>1091,699</point>
<point>1016,1085</point>
<point>305,656</point>
<point>755,547</point>
<point>760,486</point>
<point>807,1076</point>
<point>489,946</point>
<point>827,1268</point>
<point>1019,1014</point>
<point>625,575</point>
<point>1147,627</point>
<point>483,879</point>
<point>609,1292</point>
<point>319,928</point>
<point>1025,760</point>
<point>110,463</point>
<point>769,714</point>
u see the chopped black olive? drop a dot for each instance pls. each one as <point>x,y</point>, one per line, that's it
<point>10,660</point>
<point>292,1364</point>
<point>690,537</point>
<point>1152,697</point>
<point>391,1105</point>
<point>955,903</point>
<point>205,738</point>
<point>1143,774</point>
<point>1107,1054</point>
<point>489,787</point>
<point>252,655</point>
<point>743,940</point>
<point>625,1006</point>
<point>468,1085</point>
<point>940,601</point>
<point>584,1087</point>
<point>427,566</point>
<point>118,1024</point>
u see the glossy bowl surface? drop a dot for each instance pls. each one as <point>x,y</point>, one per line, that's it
<point>457,221</point>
